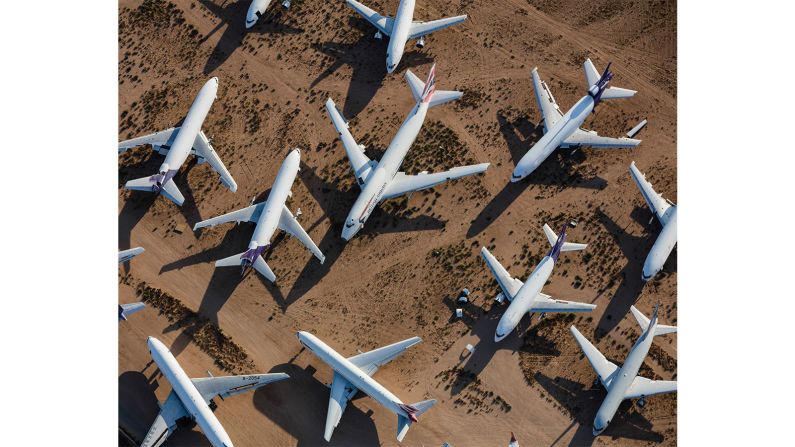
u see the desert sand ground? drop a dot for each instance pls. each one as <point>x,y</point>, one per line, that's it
<point>401,275</point>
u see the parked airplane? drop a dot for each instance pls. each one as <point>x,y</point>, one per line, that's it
<point>624,383</point>
<point>527,298</point>
<point>257,9</point>
<point>354,374</point>
<point>666,214</point>
<point>563,130</point>
<point>126,255</point>
<point>125,310</point>
<point>193,398</point>
<point>176,144</point>
<point>514,442</point>
<point>401,28</point>
<point>380,181</point>
<point>268,215</point>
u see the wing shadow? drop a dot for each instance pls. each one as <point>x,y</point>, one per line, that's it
<point>302,394</point>
<point>233,16</point>
<point>582,403</point>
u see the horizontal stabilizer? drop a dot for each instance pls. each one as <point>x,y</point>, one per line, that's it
<point>552,237</point>
<point>643,322</point>
<point>437,97</point>
<point>404,423</point>
<point>259,265</point>
<point>592,76</point>
<point>169,188</point>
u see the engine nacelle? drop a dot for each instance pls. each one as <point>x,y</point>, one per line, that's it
<point>421,42</point>
<point>378,35</point>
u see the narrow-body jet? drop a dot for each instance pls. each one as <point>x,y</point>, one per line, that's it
<point>666,214</point>
<point>382,180</point>
<point>624,383</point>
<point>192,398</point>
<point>269,216</point>
<point>527,297</point>
<point>176,144</point>
<point>354,374</point>
<point>401,28</point>
<point>563,130</point>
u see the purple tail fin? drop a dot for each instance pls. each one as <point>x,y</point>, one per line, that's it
<point>600,86</point>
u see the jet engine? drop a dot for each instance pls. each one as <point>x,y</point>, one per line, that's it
<point>421,42</point>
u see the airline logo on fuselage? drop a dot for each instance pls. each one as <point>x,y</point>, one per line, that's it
<point>371,204</point>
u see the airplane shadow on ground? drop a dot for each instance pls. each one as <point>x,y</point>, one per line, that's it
<point>335,204</point>
<point>635,249</point>
<point>367,75</point>
<point>484,326</point>
<point>138,408</point>
<point>233,16</point>
<point>302,394</point>
<point>557,170</point>
<point>582,404</point>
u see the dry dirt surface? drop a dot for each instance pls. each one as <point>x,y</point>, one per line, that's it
<point>400,276</point>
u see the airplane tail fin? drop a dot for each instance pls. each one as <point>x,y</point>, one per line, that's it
<point>413,410</point>
<point>554,239</point>
<point>426,91</point>
<point>597,84</point>
<point>240,260</point>
<point>153,184</point>
<point>644,323</point>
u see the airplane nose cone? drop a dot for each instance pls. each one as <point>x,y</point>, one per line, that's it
<point>499,337</point>
<point>250,22</point>
<point>516,176</point>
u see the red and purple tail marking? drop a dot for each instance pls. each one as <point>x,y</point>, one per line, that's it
<point>430,85</point>
<point>601,84</point>
<point>410,411</point>
<point>555,252</point>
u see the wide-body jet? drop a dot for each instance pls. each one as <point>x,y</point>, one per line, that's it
<point>401,28</point>
<point>382,180</point>
<point>176,144</point>
<point>269,216</point>
<point>666,214</point>
<point>191,398</point>
<point>562,130</point>
<point>527,297</point>
<point>624,383</point>
<point>354,374</point>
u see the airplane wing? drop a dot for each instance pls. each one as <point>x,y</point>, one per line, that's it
<point>165,422</point>
<point>508,284</point>
<point>383,23</point>
<point>582,137</point>
<point>290,224</point>
<point>545,303</point>
<point>342,391</point>
<point>126,255</point>
<point>361,165</point>
<point>160,141</point>
<point>205,152</point>
<point>643,387</point>
<point>227,386</point>
<point>604,368</point>
<point>658,205</point>
<point>248,214</point>
<point>419,29</point>
<point>403,184</point>
<point>370,361</point>
<point>550,112</point>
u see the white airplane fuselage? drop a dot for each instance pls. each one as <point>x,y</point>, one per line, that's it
<point>385,171</point>
<point>400,34</point>
<point>190,128</point>
<point>523,301</point>
<point>553,138</point>
<point>352,373</point>
<point>268,221</point>
<point>662,247</point>
<point>622,380</point>
<point>255,11</point>
<point>190,397</point>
